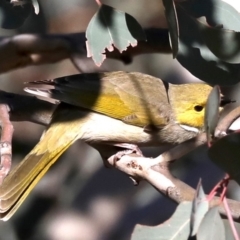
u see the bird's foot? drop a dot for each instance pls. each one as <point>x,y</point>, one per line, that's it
<point>128,149</point>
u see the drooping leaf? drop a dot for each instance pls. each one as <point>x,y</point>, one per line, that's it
<point>211,115</point>
<point>194,53</point>
<point>224,44</point>
<point>216,12</point>
<point>110,27</point>
<point>176,228</point>
<point>171,16</point>
<point>212,227</point>
<point>225,153</point>
<point>13,16</point>
<point>199,208</point>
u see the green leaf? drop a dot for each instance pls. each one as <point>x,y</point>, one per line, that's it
<point>212,227</point>
<point>110,27</point>
<point>176,228</point>
<point>171,17</point>
<point>216,12</point>
<point>225,153</point>
<point>211,115</point>
<point>228,230</point>
<point>199,209</point>
<point>224,44</point>
<point>194,54</point>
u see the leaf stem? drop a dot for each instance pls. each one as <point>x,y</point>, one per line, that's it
<point>99,3</point>
<point>229,215</point>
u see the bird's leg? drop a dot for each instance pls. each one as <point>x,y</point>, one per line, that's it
<point>5,141</point>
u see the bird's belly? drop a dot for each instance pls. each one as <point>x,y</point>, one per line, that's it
<point>100,128</point>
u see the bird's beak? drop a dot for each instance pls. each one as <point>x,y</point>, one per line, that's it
<point>224,101</point>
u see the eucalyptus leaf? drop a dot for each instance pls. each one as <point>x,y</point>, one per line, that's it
<point>110,28</point>
<point>212,227</point>
<point>171,16</point>
<point>228,230</point>
<point>216,12</point>
<point>211,115</point>
<point>224,44</point>
<point>176,228</point>
<point>199,209</point>
<point>225,153</point>
<point>197,58</point>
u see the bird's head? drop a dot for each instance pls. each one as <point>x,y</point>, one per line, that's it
<point>188,102</point>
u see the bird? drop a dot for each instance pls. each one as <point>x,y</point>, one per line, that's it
<point>109,111</point>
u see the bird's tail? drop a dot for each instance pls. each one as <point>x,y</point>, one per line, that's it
<point>21,180</point>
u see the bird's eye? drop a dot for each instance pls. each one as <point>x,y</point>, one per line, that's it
<point>198,108</point>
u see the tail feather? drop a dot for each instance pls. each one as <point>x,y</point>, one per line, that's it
<point>19,183</point>
<point>12,202</point>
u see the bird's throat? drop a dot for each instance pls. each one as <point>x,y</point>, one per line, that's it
<point>188,128</point>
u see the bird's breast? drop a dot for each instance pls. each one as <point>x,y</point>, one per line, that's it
<point>99,128</point>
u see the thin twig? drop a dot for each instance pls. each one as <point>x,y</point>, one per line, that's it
<point>229,216</point>
<point>5,141</point>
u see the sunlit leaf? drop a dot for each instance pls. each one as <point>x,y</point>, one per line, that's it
<point>216,12</point>
<point>212,227</point>
<point>199,209</point>
<point>110,28</point>
<point>228,230</point>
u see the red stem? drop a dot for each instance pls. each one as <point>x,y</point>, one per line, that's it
<point>231,222</point>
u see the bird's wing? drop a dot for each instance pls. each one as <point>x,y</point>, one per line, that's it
<point>134,98</point>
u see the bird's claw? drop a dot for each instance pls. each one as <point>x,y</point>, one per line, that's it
<point>129,149</point>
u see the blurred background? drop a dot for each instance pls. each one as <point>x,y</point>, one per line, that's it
<point>79,199</point>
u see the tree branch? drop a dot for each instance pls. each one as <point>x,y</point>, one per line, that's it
<point>156,172</point>
<point>29,49</point>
